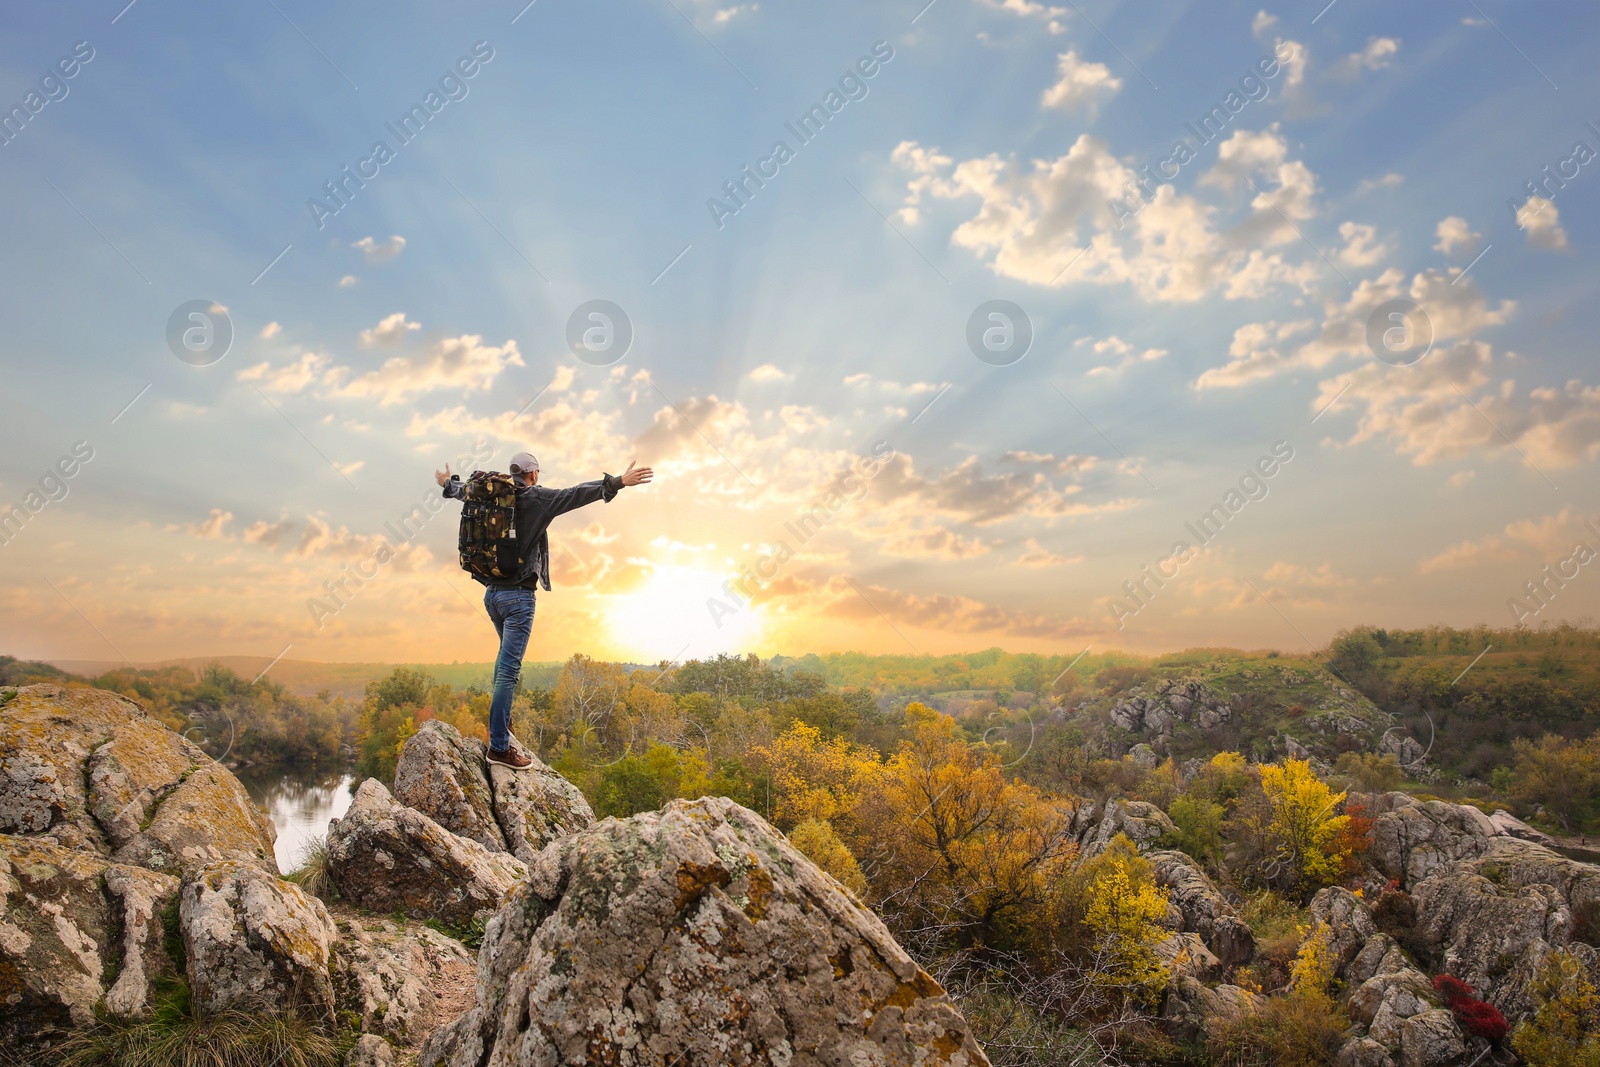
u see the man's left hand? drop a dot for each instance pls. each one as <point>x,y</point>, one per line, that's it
<point>637,475</point>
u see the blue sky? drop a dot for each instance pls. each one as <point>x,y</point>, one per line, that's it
<point>1169,354</point>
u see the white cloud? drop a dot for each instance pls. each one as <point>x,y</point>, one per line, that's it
<point>768,373</point>
<point>1123,353</point>
<point>1259,350</point>
<point>1036,555</point>
<point>289,378</point>
<point>390,331</point>
<point>1540,220</point>
<point>1388,181</point>
<point>1460,478</point>
<point>1548,538</point>
<point>1262,25</point>
<point>270,330</point>
<point>1455,233</point>
<point>723,16</point>
<point>212,528</point>
<point>1029,9</point>
<point>1082,86</point>
<point>1374,56</point>
<point>464,363</point>
<point>347,281</point>
<point>377,252</point>
<point>1361,248</point>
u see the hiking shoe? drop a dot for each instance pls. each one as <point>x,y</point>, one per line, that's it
<point>510,758</point>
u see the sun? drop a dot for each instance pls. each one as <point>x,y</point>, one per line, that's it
<point>669,617</point>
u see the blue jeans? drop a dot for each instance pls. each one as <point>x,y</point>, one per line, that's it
<point>511,611</point>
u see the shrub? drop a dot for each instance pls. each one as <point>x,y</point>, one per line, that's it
<point>1477,1017</point>
<point>1565,1028</point>
<point>1298,1029</point>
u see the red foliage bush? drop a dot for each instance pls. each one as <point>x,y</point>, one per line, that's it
<point>1477,1017</point>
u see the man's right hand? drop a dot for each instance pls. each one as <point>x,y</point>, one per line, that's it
<point>443,477</point>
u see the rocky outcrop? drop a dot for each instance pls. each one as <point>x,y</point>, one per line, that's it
<point>92,770</point>
<point>68,918</point>
<point>386,976</point>
<point>1432,1039</point>
<point>1412,839</point>
<point>1494,919</point>
<point>1143,823</point>
<point>370,1051</point>
<point>255,941</point>
<point>446,777</point>
<point>387,857</point>
<point>536,806</point>
<point>1348,920</point>
<point>695,934</point>
<point>1205,910</point>
<point>1511,826</point>
<point>1170,705</point>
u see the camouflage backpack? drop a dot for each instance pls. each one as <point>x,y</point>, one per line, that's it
<point>488,539</point>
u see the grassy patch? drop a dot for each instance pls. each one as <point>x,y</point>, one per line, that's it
<point>312,872</point>
<point>470,935</point>
<point>178,1036</point>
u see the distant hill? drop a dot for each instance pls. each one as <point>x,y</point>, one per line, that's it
<point>308,677</point>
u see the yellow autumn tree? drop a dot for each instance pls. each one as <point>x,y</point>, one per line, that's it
<point>1315,964</point>
<point>821,845</point>
<point>1124,913</point>
<point>1305,825</point>
<point>813,779</point>
<point>951,843</point>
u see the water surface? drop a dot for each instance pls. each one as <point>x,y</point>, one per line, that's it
<point>300,800</point>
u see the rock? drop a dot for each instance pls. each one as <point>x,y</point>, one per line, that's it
<point>208,818</point>
<point>1205,911</point>
<point>695,934</point>
<point>1144,756</point>
<point>1385,1002</point>
<point>1185,956</point>
<point>1293,749</point>
<point>1511,826</point>
<point>388,857</point>
<point>1411,839</point>
<point>69,922</point>
<point>384,975</point>
<point>446,777</point>
<point>1491,918</point>
<point>139,898</point>
<point>1143,822</point>
<point>254,941</point>
<point>1348,918</point>
<point>1191,1006</point>
<point>536,806</point>
<point>91,769</point>
<point>1432,1039</point>
<point>370,1050</point>
<point>1380,955</point>
<point>1363,1052</point>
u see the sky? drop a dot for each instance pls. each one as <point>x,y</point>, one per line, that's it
<point>944,326</point>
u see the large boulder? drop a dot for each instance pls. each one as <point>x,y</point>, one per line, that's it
<point>446,777</point>
<point>1349,922</point>
<point>255,941</point>
<point>1412,839</point>
<point>696,934</point>
<point>1144,823</point>
<point>1205,910</point>
<point>91,769</point>
<point>75,931</point>
<point>387,857</point>
<point>386,975</point>
<point>1432,1039</point>
<point>536,806</point>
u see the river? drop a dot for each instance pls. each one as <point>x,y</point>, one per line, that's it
<point>300,800</point>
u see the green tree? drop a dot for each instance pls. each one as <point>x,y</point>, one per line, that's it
<point>1560,775</point>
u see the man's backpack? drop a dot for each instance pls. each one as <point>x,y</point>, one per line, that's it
<point>488,539</point>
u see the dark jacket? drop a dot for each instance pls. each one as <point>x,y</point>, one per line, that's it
<point>537,506</point>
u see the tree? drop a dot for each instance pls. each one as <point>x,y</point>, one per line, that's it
<point>1565,1028</point>
<point>820,844</point>
<point>1124,914</point>
<point>1371,772</point>
<point>1305,826</point>
<point>1199,823</point>
<point>951,845</point>
<point>1560,775</point>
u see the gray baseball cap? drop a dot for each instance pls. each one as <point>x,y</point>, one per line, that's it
<point>523,462</point>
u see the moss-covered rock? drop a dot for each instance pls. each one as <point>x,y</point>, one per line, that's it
<point>695,934</point>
